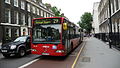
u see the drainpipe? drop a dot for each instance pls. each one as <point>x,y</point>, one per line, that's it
<point>110,25</point>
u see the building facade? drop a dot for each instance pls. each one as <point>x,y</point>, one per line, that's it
<point>109,20</point>
<point>95,23</point>
<point>104,15</point>
<point>16,17</point>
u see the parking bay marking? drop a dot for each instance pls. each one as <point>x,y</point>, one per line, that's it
<point>73,65</point>
<point>25,65</point>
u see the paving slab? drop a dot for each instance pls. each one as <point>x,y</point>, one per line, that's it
<point>97,54</point>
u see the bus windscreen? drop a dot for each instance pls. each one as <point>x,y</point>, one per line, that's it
<point>46,33</point>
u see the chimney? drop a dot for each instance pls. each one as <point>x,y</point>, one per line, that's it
<point>40,1</point>
<point>48,5</point>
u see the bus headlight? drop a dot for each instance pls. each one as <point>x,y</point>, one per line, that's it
<point>34,50</point>
<point>54,47</point>
<point>59,51</point>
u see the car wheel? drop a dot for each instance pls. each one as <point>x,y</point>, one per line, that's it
<point>21,52</point>
<point>6,55</point>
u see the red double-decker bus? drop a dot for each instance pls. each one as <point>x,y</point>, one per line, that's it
<point>54,36</point>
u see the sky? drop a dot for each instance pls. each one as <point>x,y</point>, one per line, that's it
<point>73,9</point>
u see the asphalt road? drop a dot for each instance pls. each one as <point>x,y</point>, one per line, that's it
<point>43,62</point>
<point>14,62</point>
<point>56,62</point>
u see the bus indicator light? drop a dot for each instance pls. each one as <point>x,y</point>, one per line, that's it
<point>65,26</point>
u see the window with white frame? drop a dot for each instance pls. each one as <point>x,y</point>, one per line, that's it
<point>22,19</point>
<point>22,4</point>
<point>16,32</point>
<point>38,11</point>
<point>117,4</point>
<point>29,20</point>
<point>33,9</point>
<point>7,16</point>
<point>8,33</point>
<point>44,14</point>
<point>41,12</point>
<point>16,19</point>
<point>7,1</point>
<point>113,7</point>
<point>47,15</point>
<point>16,3</point>
<point>28,7</point>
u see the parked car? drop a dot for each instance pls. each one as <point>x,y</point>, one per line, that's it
<point>19,47</point>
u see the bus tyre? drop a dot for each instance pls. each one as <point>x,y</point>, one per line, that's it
<point>21,52</point>
<point>29,52</point>
<point>6,55</point>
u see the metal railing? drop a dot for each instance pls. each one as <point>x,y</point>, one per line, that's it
<point>114,39</point>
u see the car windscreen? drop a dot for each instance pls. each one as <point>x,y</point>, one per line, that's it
<point>22,39</point>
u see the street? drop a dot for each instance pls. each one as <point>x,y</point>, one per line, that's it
<point>14,62</point>
<point>40,61</point>
<point>92,53</point>
<point>57,62</point>
<point>59,34</point>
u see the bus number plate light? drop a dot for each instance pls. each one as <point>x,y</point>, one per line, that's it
<point>45,53</point>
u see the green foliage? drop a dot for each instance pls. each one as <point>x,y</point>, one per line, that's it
<point>85,22</point>
<point>57,11</point>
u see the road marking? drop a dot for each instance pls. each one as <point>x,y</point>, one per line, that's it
<point>25,65</point>
<point>73,65</point>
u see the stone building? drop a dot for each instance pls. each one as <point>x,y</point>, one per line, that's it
<point>109,10</point>
<point>104,15</point>
<point>95,23</point>
<point>16,17</point>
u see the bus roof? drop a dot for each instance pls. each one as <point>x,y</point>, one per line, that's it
<point>58,17</point>
<point>47,17</point>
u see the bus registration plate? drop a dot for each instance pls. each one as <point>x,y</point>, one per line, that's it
<point>45,53</point>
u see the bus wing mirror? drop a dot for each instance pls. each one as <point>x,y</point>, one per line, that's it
<point>65,26</point>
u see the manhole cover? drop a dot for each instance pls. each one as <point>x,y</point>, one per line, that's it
<point>86,59</point>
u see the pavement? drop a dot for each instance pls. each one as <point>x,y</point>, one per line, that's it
<point>97,54</point>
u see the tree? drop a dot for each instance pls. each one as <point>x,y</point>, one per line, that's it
<point>55,10</point>
<point>85,22</point>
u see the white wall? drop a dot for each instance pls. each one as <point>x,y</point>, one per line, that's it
<point>95,23</point>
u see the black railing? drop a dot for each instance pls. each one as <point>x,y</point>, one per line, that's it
<point>114,39</point>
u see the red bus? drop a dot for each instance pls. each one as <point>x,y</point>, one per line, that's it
<point>54,36</point>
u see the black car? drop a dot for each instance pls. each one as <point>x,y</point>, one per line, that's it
<point>19,47</point>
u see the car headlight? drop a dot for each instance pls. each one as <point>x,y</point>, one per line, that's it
<point>12,46</point>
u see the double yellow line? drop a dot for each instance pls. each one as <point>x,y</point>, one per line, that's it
<point>73,65</point>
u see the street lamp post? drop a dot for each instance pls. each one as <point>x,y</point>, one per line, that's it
<point>110,25</point>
